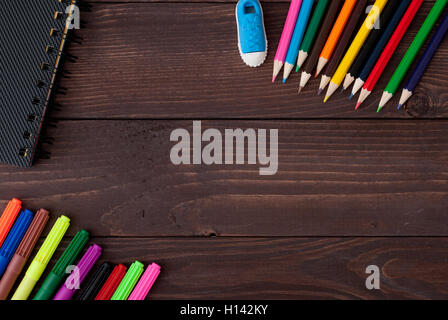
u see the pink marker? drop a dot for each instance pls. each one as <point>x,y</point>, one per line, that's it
<point>146,282</point>
<point>285,39</point>
<point>83,268</point>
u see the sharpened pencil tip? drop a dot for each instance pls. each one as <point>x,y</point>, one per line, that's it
<point>342,89</point>
<point>351,96</point>
<point>300,89</point>
<point>326,99</point>
<point>358,105</point>
<point>319,92</point>
<point>284,80</point>
<point>379,109</point>
<point>399,106</point>
<point>273,79</point>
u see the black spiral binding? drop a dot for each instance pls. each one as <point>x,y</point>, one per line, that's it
<point>33,49</point>
<point>54,87</point>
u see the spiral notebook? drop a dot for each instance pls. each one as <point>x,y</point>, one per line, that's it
<point>33,35</point>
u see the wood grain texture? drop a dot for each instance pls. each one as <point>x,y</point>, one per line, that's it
<point>349,192</point>
<point>180,60</point>
<point>286,268</point>
<point>93,2</point>
<point>335,178</point>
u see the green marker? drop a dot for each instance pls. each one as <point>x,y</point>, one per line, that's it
<point>58,273</point>
<point>412,52</point>
<point>311,32</point>
<point>129,281</point>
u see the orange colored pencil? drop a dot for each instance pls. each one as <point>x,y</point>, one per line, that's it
<point>335,34</point>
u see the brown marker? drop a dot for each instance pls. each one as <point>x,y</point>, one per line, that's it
<point>23,252</point>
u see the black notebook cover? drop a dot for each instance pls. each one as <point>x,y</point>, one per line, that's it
<point>33,34</point>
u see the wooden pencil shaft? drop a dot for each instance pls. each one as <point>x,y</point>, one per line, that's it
<point>357,13</point>
<point>311,62</point>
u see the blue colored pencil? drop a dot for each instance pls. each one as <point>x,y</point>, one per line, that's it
<point>13,239</point>
<point>423,64</point>
<point>380,46</point>
<point>297,37</point>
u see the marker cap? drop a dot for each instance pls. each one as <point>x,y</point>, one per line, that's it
<point>8,217</point>
<point>58,273</point>
<point>95,283</point>
<point>84,266</point>
<point>112,283</point>
<point>13,239</point>
<point>128,282</point>
<point>42,258</point>
<point>23,252</point>
<point>146,282</point>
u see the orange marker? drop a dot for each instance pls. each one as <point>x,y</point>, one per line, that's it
<point>8,217</point>
<point>335,34</point>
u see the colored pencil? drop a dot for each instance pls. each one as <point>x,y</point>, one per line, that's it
<point>332,65</point>
<point>8,217</point>
<point>297,37</point>
<point>285,39</point>
<point>311,31</point>
<point>424,61</point>
<point>412,52</point>
<point>320,40</point>
<point>375,35</point>
<point>367,68</point>
<point>389,50</point>
<point>335,34</point>
<point>355,47</point>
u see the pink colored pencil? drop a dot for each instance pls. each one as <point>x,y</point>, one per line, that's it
<point>285,39</point>
<point>145,284</point>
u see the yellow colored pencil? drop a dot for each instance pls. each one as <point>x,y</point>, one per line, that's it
<point>355,47</point>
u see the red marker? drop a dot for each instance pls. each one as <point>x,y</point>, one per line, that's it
<point>112,283</point>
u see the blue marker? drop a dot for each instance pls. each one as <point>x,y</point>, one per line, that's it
<point>13,239</point>
<point>297,37</point>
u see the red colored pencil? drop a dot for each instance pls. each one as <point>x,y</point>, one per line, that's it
<point>391,47</point>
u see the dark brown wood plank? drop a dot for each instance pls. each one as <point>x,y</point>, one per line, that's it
<point>180,60</point>
<point>93,2</point>
<point>287,268</point>
<point>335,178</point>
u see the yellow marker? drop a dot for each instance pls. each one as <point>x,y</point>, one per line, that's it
<point>42,258</point>
<point>355,47</point>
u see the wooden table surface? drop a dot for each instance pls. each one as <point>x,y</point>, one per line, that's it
<point>353,188</point>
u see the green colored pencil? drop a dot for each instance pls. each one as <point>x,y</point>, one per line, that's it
<point>311,31</point>
<point>412,52</point>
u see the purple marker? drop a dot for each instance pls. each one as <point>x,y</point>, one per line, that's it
<point>83,268</point>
